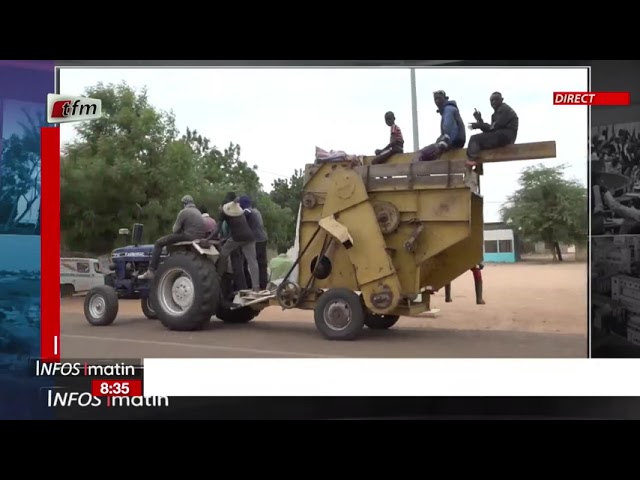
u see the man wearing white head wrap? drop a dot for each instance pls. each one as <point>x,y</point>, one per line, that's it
<point>189,225</point>
<point>242,238</point>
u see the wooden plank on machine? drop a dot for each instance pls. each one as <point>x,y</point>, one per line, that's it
<point>510,153</point>
<point>519,151</point>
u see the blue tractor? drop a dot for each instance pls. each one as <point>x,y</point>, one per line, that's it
<point>187,288</point>
<point>126,264</point>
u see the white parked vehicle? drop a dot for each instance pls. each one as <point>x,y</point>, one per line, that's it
<point>79,275</point>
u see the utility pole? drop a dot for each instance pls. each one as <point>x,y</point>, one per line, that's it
<point>414,111</point>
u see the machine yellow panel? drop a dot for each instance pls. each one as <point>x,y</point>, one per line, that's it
<point>460,257</point>
<point>378,235</point>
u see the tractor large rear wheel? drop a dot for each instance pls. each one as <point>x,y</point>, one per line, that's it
<point>185,293</point>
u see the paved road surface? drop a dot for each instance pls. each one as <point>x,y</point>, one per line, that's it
<point>137,337</point>
<point>533,310</point>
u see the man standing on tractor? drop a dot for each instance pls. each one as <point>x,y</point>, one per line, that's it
<point>503,130</point>
<point>241,239</point>
<point>189,226</point>
<point>257,226</point>
<point>396,141</point>
<point>452,134</point>
<point>238,271</point>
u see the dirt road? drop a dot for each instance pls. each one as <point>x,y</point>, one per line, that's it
<point>533,310</point>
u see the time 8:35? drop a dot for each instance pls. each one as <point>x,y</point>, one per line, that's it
<point>107,388</point>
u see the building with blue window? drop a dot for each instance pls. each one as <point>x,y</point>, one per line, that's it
<point>501,244</point>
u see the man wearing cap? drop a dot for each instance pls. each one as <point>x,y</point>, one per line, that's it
<point>189,226</point>
<point>452,133</point>
<point>502,131</point>
<point>241,238</point>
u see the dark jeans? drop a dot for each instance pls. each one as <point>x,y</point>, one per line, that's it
<point>261,256</point>
<point>435,150</point>
<point>432,152</point>
<point>165,242</point>
<point>489,140</point>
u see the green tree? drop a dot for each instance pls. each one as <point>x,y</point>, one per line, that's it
<point>548,208</point>
<point>280,222</point>
<point>130,155</point>
<point>287,194</point>
<point>133,155</point>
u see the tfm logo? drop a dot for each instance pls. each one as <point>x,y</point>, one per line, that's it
<point>63,109</point>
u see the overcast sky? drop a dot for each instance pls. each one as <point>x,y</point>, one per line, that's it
<point>279,116</point>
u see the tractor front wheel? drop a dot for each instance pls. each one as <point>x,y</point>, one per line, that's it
<point>339,314</point>
<point>185,293</point>
<point>101,306</point>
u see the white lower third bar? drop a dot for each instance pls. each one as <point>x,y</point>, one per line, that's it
<point>55,345</point>
<point>391,377</point>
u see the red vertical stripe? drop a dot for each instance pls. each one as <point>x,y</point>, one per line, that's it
<point>50,244</point>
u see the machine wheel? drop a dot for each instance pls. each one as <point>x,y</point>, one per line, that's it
<point>238,315</point>
<point>380,322</point>
<point>339,314</point>
<point>289,294</point>
<point>147,308</point>
<point>101,306</point>
<point>185,293</point>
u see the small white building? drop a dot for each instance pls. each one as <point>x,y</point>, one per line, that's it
<point>499,244</point>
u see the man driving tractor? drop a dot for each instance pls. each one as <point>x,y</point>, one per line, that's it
<point>189,225</point>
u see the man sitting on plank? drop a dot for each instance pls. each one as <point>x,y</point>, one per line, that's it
<point>452,134</point>
<point>396,141</point>
<point>503,130</point>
